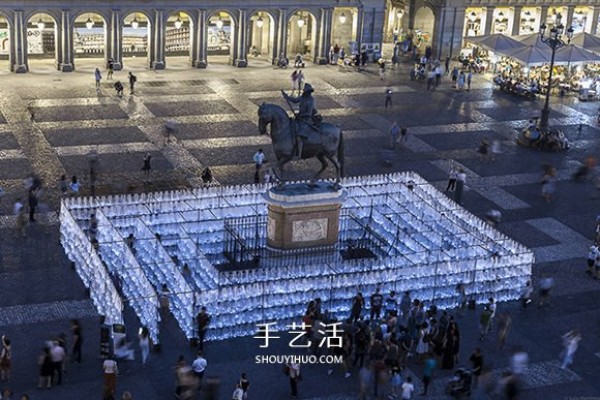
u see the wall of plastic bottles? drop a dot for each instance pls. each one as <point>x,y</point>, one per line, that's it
<point>432,245</point>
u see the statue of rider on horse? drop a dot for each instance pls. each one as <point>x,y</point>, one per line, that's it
<point>307,116</point>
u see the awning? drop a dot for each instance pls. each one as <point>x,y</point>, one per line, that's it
<point>496,42</point>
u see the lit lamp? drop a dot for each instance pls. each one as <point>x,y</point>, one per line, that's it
<point>300,22</point>
<point>260,22</point>
<point>219,23</point>
<point>89,23</point>
<point>178,23</point>
<point>342,18</point>
<point>554,41</point>
<point>135,24</point>
<point>472,16</point>
<point>40,24</point>
<point>400,14</point>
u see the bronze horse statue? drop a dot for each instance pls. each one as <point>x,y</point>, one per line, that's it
<point>324,142</point>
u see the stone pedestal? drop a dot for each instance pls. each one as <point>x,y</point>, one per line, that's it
<point>303,216</point>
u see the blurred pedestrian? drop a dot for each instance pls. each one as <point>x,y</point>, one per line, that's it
<point>46,369</point>
<point>452,175</point>
<point>388,98</point>
<point>394,134</point>
<point>19,212</point>
<point>5,360</point>
<point>526,293</point>
<point>546,285</point>
<point>294,375</point>
<point>245,385</point>
<point>147,167</point>
<point>63,185</point>
<point>407,389</point>
<point>203,321</point>
<point>495,149</point>
<point>548,183</point>
<point>403,134</point>
<point>476,360</point>
<point>428,368</point>
<point>32,201</point>
<point>519,361</point>
<point>126,396</point>
<point>504,324</point>
<point>111,370</point>
<point>58,355</point>
<point>570,342</point>
<point>469,77</point>
<point>144,338</point>
<point>483,150</point>
<point>77,341</point>
<point>132,81</point>
<point>110,68</point>
<point>484,322</point>
<point>461,178</point>
<point>593,253</point>
<point>98,78</point>
<point>74,185</point>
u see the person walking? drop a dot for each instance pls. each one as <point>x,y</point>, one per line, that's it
<point>403,134</point>
<point>484,322</point>
<point>452,175</point>
<point>57,353</point>
<point>469,77</point>
<point>132,80</point>
<point>144,338</point>
<point>74,185</point>
<point>546,285</point>
<point>428,368</point>
<point>111,68</point>
<point>203,321</point>
<point>77,341</point>
<point>570,342</point>
<point>199,366</point>
<point>376,303</point>
<point>454,77</point>
<point>407,389</point>
<point>98,78</point>
<point>495,149</point>
<point>32,201</point>
<point>526,293</point>
<point>46,369</point>
<point>358,303</point>
<point>259,159</point>
<point>245,385</point>
<point>504,324</point>
<point>461,178</point>
<point>388,98</point>
<point>548,183</point>
<point>294,375</point>
<point>5,360</point>
<point>111,370</point>
<point>476,360</point>
<point>19,212</point>
<point>147,167</point>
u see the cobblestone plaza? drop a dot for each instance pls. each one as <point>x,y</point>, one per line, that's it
<point>51,123</point>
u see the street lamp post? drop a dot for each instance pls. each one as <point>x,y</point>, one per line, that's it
<point>555,42</point>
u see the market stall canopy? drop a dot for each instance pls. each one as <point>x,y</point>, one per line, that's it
<point>574,55</point>
<point>496,42</point>
<point>530,56</point>
<point>531,39</point>
<point>586,41</point>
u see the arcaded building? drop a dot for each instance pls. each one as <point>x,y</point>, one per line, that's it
<point>64,31</point>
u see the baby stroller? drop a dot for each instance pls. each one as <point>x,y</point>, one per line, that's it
<point>459,385</point>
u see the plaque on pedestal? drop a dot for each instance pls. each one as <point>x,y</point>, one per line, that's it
<point>302,215</point>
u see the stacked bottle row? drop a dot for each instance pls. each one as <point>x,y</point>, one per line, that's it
<point>90,269</point>
<point>121,263</point>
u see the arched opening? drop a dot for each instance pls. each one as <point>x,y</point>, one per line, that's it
<point>344,27</point>
<point>89,41</point>
<point>220,31</point>
<point>423,28</point>
<point>395,23</point>
<point>262,33</point>
<point>5,59</point>
<point>301,30</point>
<point>178,36</point>
<point>41,42</point>
<point>134,41</point>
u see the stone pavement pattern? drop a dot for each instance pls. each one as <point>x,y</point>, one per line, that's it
<point>216,112</point>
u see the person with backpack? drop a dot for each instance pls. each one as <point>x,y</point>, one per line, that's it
<point>203,321</point>
<point>132,81</point>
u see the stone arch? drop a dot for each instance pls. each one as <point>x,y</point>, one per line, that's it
<point>219,39</point>
<point>261,40</point>
<point>302,40</point>
<point>136,41</point>
<point>41,43</point>
<point>424,26</point>
<point>179,41</point>
<point>87,43</point>
<point>6,48</point>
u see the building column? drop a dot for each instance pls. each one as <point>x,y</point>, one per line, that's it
<point>324,36</point>
<point>18,38</point>
<point>282,29</point>
<point>449,30</point>
<point>360,24</point>
<point>543,14</point>
<point>114,42</point>
<point>567,22</point>
<point>595,15</point>
<point>157,49</point>
<point>241,40</point>
<point>200,41</point>
<point>275,39</point>
<point>489,20</point>
<point>516,24</point>
<point>65,62</point>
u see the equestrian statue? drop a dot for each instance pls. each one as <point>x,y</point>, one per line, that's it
<point>302,137</point>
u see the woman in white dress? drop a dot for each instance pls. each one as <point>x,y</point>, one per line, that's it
<point>422,343</point>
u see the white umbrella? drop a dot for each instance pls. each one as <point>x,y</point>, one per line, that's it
<point>530,56</point>
<point>586,41</point>
<point>574,55</point>
<point>496,42</point>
